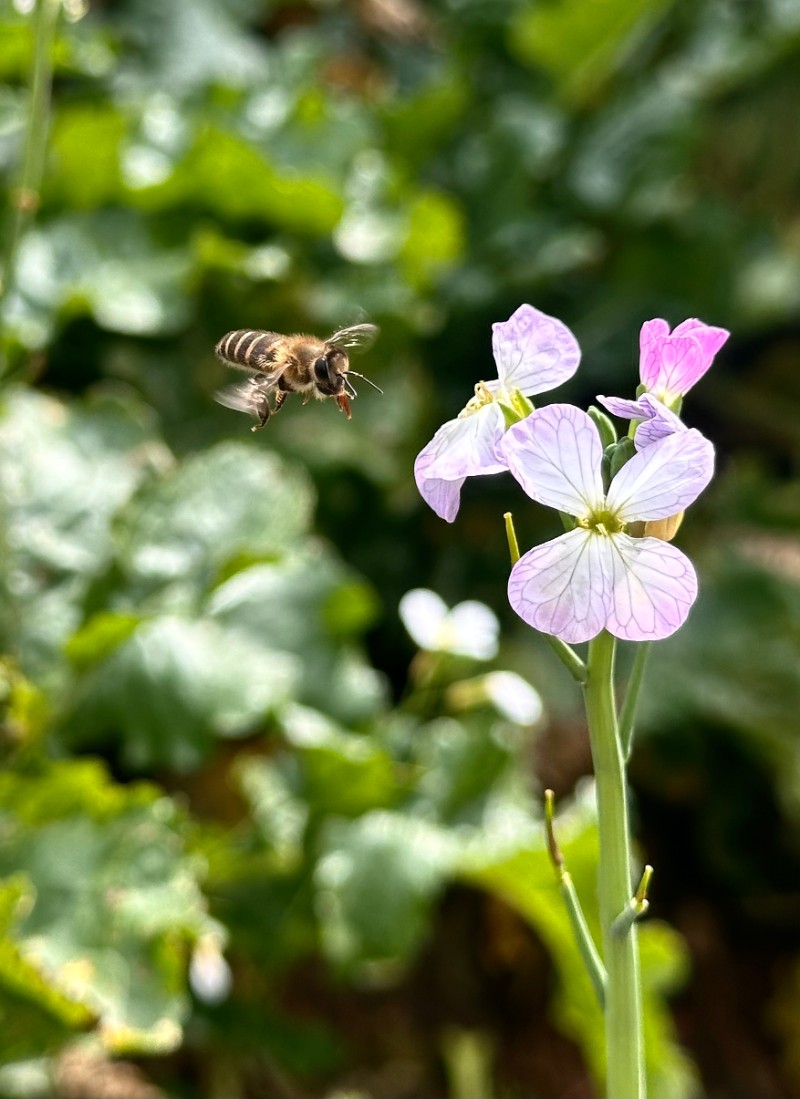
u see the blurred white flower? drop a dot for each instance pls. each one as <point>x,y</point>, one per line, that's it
<point>513,697</point>
<point>209,973</point>
<point>469,629</point>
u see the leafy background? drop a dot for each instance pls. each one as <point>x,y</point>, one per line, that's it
<point>251,842</point>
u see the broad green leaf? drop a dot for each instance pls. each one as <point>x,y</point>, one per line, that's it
<point>338,772</point>
<point>237,180</point>
<point>581,44</point>
<point>435,240</point>
<point>81,463</point>
<point>109,264</point>
<point>36,1016</point>
<point>376,881</point>
<point>114,907</point>
<point>306,604</point>
<point>101,128</point>
<point>173,686</point>
<point>230,502</point>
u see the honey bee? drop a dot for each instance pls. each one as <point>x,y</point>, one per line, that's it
<point>291,364</point>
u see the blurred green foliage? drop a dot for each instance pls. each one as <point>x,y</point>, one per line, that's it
<point>242,825</point>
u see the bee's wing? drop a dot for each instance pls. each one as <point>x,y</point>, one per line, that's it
<point>358,337</point>
<point>247,396</point>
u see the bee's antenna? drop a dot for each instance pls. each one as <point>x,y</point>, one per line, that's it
<point>349,387</point>
<point>366,379</point>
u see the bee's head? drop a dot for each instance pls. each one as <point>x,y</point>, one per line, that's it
<point>330,371</point>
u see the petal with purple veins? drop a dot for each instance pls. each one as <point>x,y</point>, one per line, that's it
<point>662,479</point>
<point>466,446</point>
<point>709,337</point>
<point>563,587</point>
<point>555,454</point>
<point>653,588</point>
<point>533,351</point>
<point>657,421</point>
<point>670,367</point>
<point>444,497</point>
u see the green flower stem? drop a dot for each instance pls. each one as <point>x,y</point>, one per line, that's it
<point>25,196</point>
<point>565,653</point>
<point>580,928</point>
<point>623,1010</point>
<point>628,712</point>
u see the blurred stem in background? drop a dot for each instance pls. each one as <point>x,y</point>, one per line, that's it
<point>25,195</point>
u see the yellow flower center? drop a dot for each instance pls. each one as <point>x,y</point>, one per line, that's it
<point>603,522</point>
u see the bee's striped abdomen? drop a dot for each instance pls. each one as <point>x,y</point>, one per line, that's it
<point>247,347</point>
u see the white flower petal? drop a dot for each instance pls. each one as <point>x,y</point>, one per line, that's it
<point>472,630</point>
<point>654,586</point>
<point>514,697</point>
<point>664,478</point>
<point>533,351</point>
<point>555,454</point>
<point>423,614</point>
<point>466,446</point>
<point>563,587</point>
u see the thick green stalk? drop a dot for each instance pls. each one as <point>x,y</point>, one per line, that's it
<point>25,196</point>
<point>623,1010</point>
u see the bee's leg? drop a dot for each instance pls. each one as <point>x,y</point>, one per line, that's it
<point>280,397</point>
<point>262,410</point>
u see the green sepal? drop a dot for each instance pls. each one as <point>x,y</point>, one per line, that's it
<point>517,408</point>
<point>618,455</point>
<point>608,433</point>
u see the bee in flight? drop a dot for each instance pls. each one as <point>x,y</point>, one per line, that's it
<point>291,364</point>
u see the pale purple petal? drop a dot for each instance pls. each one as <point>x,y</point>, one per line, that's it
<point>710,338</point>
<point>555,454</point>
<point>444,497</point>
<point>622,407</point>
<point>466,446</point>
<point>671,366</point>
<point>654,585</point>
<point>663,479</point>
<point>657,421</point>
<point>533,351</point>
<point>563,587</point>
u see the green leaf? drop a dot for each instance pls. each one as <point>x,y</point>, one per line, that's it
<point>376,880</point>
<point>82,462</point>
<point>231,501</point>
<point>338,772</point>
<point>173,686</point>
<point>291,605</point>
<point>106,263</point>
<point>114,906</point>
<point>95,126</point>
<point>435,238</point>
<point>236,180</point>
<point>581,44</point>
<point>36,1016</point>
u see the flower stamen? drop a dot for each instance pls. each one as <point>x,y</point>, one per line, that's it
<point>483,396</point>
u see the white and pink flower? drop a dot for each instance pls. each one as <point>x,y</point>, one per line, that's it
<point>533,353</point>
<point>597,577</point>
